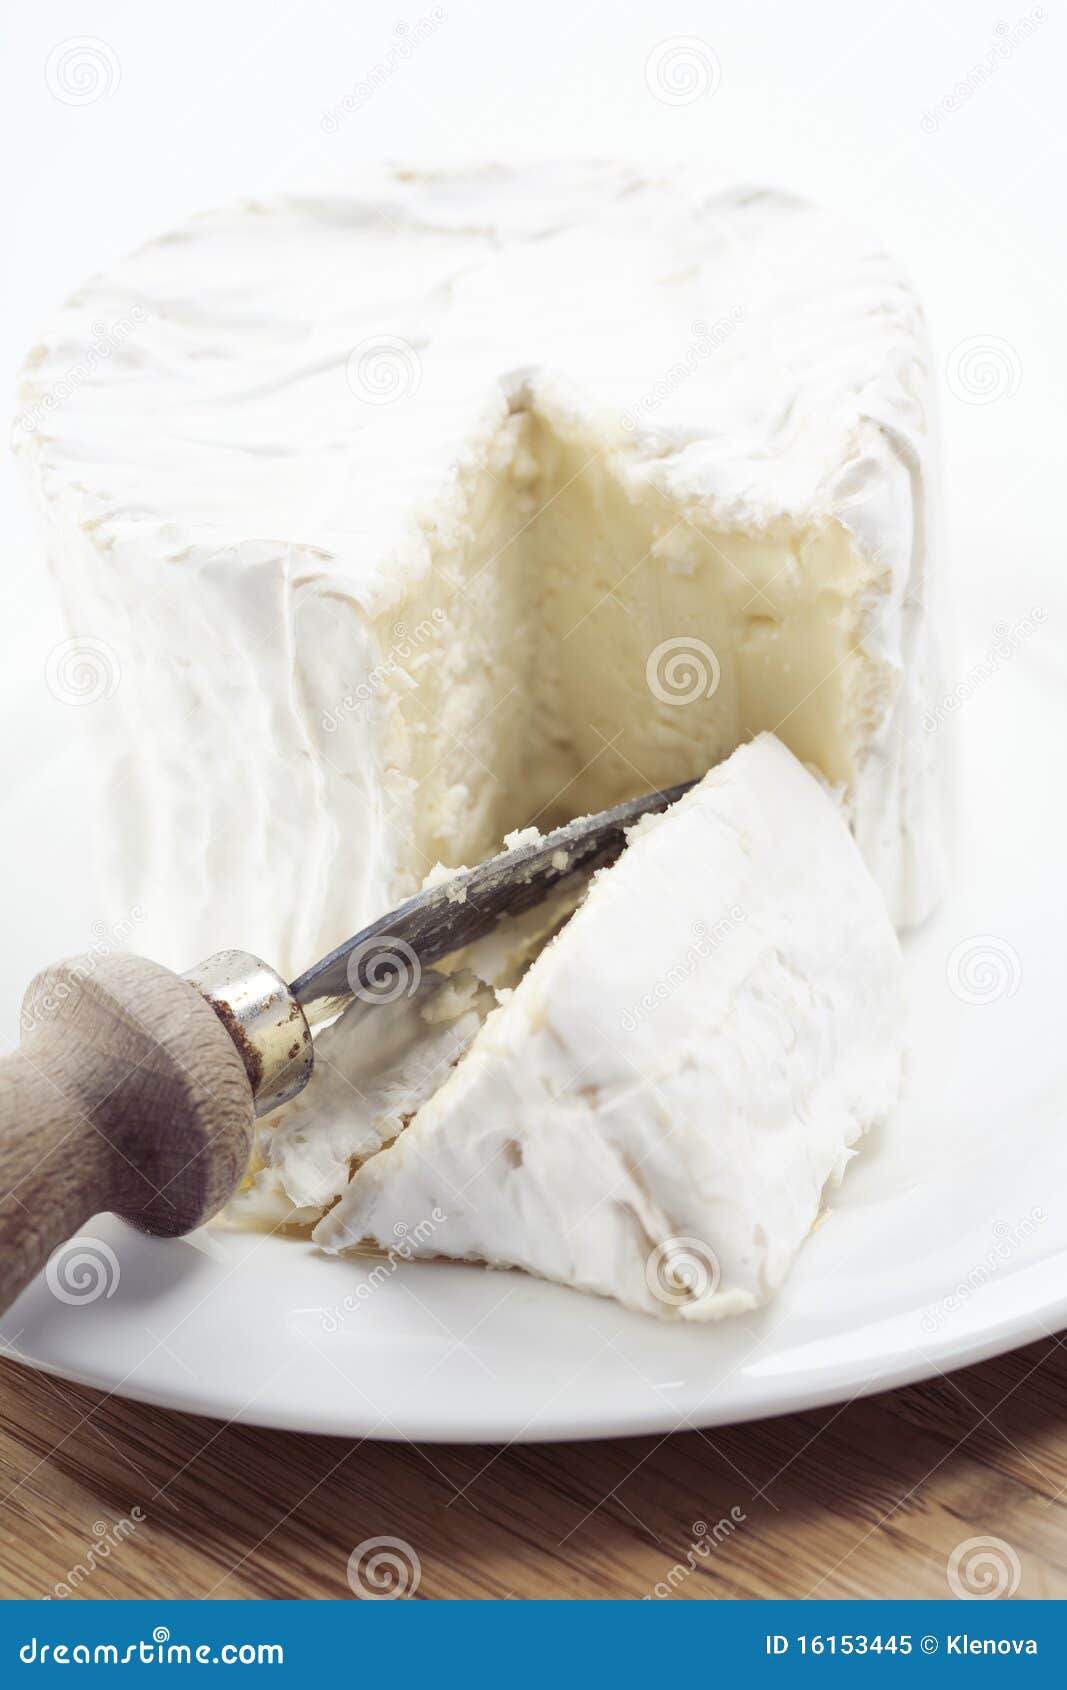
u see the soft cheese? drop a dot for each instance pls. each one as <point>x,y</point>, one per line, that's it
<point>406,518</point>
<point>372,1072</point>
<point>656,1111</point>
<point>380,1061</point>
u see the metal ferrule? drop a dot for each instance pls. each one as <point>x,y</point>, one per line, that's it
<point>263,1019</point>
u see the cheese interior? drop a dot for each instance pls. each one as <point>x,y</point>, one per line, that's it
<point>574,639</point>
<point>581,638</point>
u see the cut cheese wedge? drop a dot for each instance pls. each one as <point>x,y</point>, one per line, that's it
<point>657,1110</point>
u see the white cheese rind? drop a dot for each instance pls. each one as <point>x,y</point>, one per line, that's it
<point>351,636</point>
<point>656,1111</point>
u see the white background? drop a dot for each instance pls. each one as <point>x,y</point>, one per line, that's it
<point>885,112</point>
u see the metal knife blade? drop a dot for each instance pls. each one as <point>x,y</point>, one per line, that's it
<point>384,961</point>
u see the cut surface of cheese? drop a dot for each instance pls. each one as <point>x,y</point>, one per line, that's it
<point>373,1069</point>
<point>471,501</point>
<point>655,1112</point>
<point>379,1062</point>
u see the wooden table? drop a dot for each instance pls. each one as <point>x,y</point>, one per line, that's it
<point>869,1499</point>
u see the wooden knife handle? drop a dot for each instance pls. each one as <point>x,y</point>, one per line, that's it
<point>128,1094</point>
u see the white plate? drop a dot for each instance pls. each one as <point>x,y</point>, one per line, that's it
<point>947,1243</point>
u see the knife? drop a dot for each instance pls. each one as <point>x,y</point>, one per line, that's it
<point>136,1090</point>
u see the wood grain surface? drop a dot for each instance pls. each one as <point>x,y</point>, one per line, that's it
<point>862,1500</point>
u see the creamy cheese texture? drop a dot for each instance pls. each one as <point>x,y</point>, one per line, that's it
<point>392,524</point>
<point>381,1061</point>
<point>398,520</point>
<point>655,1112</point>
